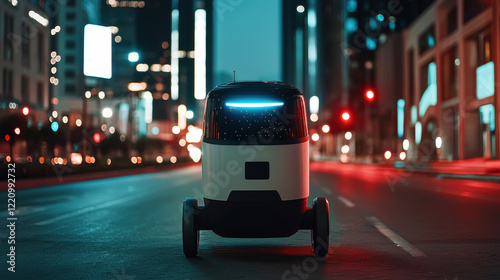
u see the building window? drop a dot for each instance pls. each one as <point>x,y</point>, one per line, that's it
<point>70,16</point>
<point>450,74</point>
<point>39,95</point>
<point>351,25</point>
<point>70,59</point>
<point>485,41</point>
<point>427,40</point>
<point>8,36</point>
<point>411,77</point>
<point>69,74</point>
<point>70,89</point>
<point>70,30</point>
<point>452,20</point>
<point>25,45</point>
<point>352,6</point>
<point>428,82</point>
<point>371,43</point>
<point>473,7</point>
<point>485,69</point>
<point>487,122</point>
<point>70,44</point>
<point>7,85</point>
<point>41,52</point>
<point>25,90</point>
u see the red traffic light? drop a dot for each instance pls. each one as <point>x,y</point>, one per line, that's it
<point>7,137</point>
<point>26,110</point>
<point>96,137</point>
<point>346,116</point>
<point>370,95</point>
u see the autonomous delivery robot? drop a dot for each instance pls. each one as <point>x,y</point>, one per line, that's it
<point>255,168</point>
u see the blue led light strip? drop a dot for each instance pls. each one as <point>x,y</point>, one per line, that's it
<point>253,104</point>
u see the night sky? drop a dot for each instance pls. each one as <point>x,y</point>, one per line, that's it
<point>247,40</point>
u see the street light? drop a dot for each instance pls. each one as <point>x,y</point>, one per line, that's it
<point>314,117</point>
<point>439,142</point>
<point>406,144</point>
<point>133,56</point>
<point>315,137</point>
<point>107,112</point>
<point>402,156</point>
<point>345,149</point>
<point>189,115</point>
<point>348,135</point>
<point>387,155</point>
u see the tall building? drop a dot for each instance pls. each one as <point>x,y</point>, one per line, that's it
<point>24,56</point>
<point>451,68</point>
<point>24,70</point>
<point>192,54</point>
<point>329,51</point>
<point>68,82</point>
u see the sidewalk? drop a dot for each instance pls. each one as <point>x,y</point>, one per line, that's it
<point>470,169</point>
<point>40,182</point>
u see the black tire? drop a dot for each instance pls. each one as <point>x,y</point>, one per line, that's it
<point>320,234</point>
<point>190,232</point>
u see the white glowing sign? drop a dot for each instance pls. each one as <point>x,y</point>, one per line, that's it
<point>97,51</point>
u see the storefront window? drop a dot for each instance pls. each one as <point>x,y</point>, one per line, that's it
<point>450,74</point>
<point>429,97</point>
<point>473,7</point>
<point>485,72</point>
<point>487,118</point>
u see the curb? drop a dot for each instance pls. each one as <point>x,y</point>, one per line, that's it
<point>41,182</point>
<point>429,171</point>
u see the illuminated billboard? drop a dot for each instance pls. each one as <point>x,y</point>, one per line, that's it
<point>97,51</point>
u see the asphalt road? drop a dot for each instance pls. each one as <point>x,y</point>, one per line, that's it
<point>384,225</point>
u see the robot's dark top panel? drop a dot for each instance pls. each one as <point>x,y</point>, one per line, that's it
<point>253,113</point>
<point>237,86</point>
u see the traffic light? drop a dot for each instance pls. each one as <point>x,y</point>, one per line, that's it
<point>26,110</point>
<point>345,120</point>
<point>96,137</point>
<point>346,116</point>
<point>370,95</point>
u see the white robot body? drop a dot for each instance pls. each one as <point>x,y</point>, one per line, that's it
<point>225,169</point>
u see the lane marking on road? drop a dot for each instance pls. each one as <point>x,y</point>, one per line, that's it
<point>54,198</point>
<point>395,238</point>
<point>89,209</point>
<point>346,201</point>
<point>326,190</point>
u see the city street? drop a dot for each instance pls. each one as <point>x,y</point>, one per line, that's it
<point>385,224</point>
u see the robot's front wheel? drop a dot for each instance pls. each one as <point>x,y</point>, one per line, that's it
<point>190,232</point>
<point>320,233</point>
